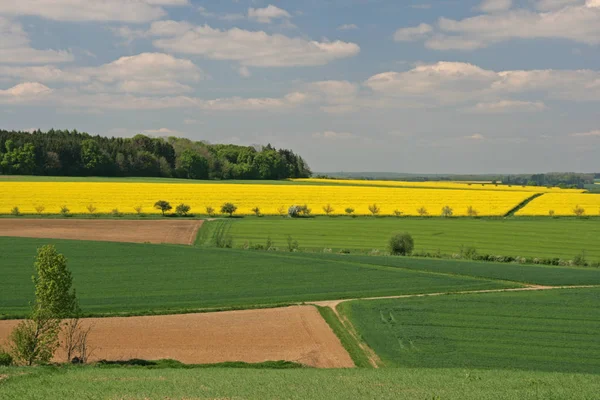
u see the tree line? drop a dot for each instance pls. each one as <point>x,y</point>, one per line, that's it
<point>73,153</point>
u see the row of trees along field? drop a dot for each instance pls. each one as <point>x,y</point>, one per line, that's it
<point>72,153</point>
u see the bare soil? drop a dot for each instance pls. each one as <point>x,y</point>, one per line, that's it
<point>296,333</point>
<point>154,231</point>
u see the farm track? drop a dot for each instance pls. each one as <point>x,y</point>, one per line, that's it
<point>127,231</point>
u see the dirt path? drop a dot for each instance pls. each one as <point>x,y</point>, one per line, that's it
<point>296,333</point>
<point>132,231</point>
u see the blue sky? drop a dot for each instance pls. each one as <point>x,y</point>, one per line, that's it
<point>353,85</point>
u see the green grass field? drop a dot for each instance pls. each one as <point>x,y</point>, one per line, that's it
<point>115,278</point>
<point>525,237</point>
<point>305,384</point>
<point>553,330</point>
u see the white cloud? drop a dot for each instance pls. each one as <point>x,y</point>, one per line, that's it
<point>244,72</point>
<point>508,106</point>
<point>268,14</point>
<point>495,5</point>
<point>223,17</point>
<point>332,135</point>
<point>26,89</point>
<point>15,47</point>
<point>347,27</point>
<point>587,134</point>
<point>477,137</point>
<point>249,48</point>
<point>142,73</point>
<point>128,34</point>
<point>413,33</point>
<point>576,21</point>
<point>160,131</point>
<point>338,96</point>
<point>135,11</point>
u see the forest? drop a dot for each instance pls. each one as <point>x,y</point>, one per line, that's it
<point>73,153</point>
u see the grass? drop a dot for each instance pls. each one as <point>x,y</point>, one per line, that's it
<point>393,384</point>
<point>525,237</point>
<point>553,330</point>
<point>529,274</point>
<point>113,278</point>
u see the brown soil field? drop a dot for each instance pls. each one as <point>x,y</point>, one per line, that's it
<point>154,231</point>
<point>296,333</point>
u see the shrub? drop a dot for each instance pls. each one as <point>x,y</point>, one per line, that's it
<point>469,253</point>
<point>344,251</point>
<point>447,211</point>
<point>328,209</point>
<point>349,210</point>
<point>422,211</point>
<point>163,206</point>
<point>579,211</point>
<point>397,213</point>
<point>64,211</point>
<point>182,209</point>
<point>228,208</point>
<point>39,209</point>
<point>5,359</point>
<point>298,211</point>
<point>138,209</point>
<point>15,211</point>
<point>374,209</point>
<point>401,244</point>
<point>210,211</point>
<point>551,213</point>
<point>256,211</point>
<point>292,244</point>
<point>471,212</point>
<point>580,259</point>
<point>91,209</point>
<point>116,213</point>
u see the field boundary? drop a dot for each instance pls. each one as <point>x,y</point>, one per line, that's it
<point>522,204</point>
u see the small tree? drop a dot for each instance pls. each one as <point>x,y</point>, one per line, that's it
<point>39,209</point>
<point>64,211</point>
<point>138,209</point>
<point>397,213</point>
<point>349,210</point>
<point>210,211</point>
<point>91,209</point>
<point>374,209</point>
<point>447,211</point>
<point>281,210</point>
<point>15,211</point>
<point>256,211</point>
<point>328,209</point>
<point>422,211</point>
<point>401,244</point>
<point>116,213</point>
<point>579,211</point>
<point>228,208</point>
<point>163,206</point>
<point>182,209</point>
<point>551,213</point>
<point>471,212</point>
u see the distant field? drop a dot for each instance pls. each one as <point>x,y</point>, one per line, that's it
<point>113,278</point>
<point>553,330</point>
<point>296,384</point>
<point>539,237</point>
<point>563,204</point>
<point>270,199</point>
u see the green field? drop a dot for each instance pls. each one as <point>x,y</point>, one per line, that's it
<point>553,330</point>
<point>524,237</point>
<point>393,384</point>
<point>115,278</point>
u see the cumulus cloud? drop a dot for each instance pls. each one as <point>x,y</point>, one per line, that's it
<point>562,19</point>
<point>15,47</point>
<point>26,89</point>
<point>268,14</point>
<point>412,33</point>
<point>508,106</point>
<point>135,11</point>
<point>249,48</point>
<point>142,73</point>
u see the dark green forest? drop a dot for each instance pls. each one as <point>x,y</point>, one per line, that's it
<point>73,153</point>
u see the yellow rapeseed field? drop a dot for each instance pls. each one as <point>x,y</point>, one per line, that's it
<point>76,196</point>
<point>443,185</point>
<point>563,204</point>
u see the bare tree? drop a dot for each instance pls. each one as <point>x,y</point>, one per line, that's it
<point>374,209</point>
<point>447,211</point>
<point>328,209</point>
<point>422,211</point>
<point>471,212</point>
<point>579,211</point>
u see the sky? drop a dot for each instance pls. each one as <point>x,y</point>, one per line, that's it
<point>420,86</point>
